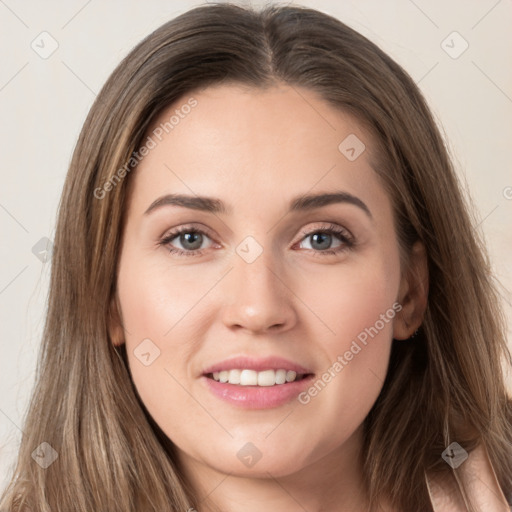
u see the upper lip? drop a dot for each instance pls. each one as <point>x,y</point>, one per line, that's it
<point>256,364</point>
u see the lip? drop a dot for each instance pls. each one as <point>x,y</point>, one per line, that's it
<point>256,364</point>
<point>257,397</point>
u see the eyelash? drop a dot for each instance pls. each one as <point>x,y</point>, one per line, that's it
<point>342,234</point>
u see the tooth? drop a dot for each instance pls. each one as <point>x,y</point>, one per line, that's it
<point>234,376</point>
<point>254,378</point>
<point>249,378</point>
<point>280,376</point>
<point>266,378</point>
<point>290,375</point>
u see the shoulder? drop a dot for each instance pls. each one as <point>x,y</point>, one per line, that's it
<point>479,479</point>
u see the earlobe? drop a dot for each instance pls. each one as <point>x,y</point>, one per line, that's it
<point>413,294</point>
<point>114,323</point>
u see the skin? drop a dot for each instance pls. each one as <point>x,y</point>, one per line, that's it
<point>255,150</point>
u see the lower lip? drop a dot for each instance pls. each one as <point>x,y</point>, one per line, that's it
<point>257,397</point>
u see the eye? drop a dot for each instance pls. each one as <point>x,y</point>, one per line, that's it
<point>191,239</point>
<point>321,240</point>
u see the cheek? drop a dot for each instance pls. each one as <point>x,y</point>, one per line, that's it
<point>347,300</point>
<point>155,296</point>
<point>155,307</point>
<point>357,309</point>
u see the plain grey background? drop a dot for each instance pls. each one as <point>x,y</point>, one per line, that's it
<point>55,56</point>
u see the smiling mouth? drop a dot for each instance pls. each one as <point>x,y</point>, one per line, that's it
<point>265,378</point>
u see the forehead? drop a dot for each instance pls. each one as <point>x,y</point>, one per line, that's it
<point>231,111</point>
<point>241,142</point>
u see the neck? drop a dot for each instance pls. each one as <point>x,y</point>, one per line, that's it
<point>333,482</point>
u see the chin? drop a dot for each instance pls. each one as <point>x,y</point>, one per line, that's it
<point>261,469</point>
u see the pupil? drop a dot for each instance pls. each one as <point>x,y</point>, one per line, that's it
<point>326,236</point>
<point>188,237</point>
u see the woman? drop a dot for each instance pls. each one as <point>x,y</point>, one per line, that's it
<point>255,369</point>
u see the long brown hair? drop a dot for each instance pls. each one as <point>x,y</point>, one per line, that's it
<point>444,385</point>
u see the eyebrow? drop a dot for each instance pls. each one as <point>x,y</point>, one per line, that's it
<point>300,203</point>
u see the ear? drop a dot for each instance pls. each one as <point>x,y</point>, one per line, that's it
<point>114,323</point>
<point>413,294</point>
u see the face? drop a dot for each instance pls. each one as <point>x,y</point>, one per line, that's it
<point>253,272</point>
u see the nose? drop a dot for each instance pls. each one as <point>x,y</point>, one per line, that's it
<point>259,299</point>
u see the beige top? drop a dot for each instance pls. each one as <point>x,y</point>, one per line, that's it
<point>479,478</point>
